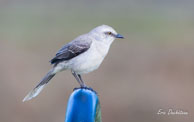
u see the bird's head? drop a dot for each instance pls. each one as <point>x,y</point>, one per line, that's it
<point>105,33</point>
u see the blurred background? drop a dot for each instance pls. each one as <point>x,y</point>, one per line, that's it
<point>151,69</point>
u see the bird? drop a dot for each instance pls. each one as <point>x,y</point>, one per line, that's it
<point>82,55</point>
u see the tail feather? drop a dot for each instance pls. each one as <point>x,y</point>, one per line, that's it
<point>39,87</point>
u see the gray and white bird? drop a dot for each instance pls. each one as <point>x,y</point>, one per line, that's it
<point>82,55</point>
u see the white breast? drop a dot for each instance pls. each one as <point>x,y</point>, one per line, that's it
<point>90,60</point>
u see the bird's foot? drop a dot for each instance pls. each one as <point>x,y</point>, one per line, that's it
<point>85,87</point>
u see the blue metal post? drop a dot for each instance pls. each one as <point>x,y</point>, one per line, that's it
<point>83,106</point>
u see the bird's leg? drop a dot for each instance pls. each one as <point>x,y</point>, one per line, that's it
<point>78,79</point>
<point>85,87</point>
<point>81,80</point>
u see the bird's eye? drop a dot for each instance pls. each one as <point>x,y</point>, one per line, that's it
<point>109,33</point>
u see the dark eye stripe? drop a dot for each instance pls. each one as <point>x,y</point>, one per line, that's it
<point>114,35</point>
<point>109,33</point>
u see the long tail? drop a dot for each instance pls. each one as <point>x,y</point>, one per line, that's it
<point>40,86</point>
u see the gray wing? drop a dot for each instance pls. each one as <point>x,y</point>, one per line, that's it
<point>71,50</point>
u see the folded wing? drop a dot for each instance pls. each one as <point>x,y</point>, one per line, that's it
<point>71,50</point>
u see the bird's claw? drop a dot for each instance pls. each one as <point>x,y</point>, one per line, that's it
<point>85,87</point>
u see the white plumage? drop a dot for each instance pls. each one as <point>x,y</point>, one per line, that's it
<point>82,55</point>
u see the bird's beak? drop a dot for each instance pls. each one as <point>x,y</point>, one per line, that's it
<point>119,36</point>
